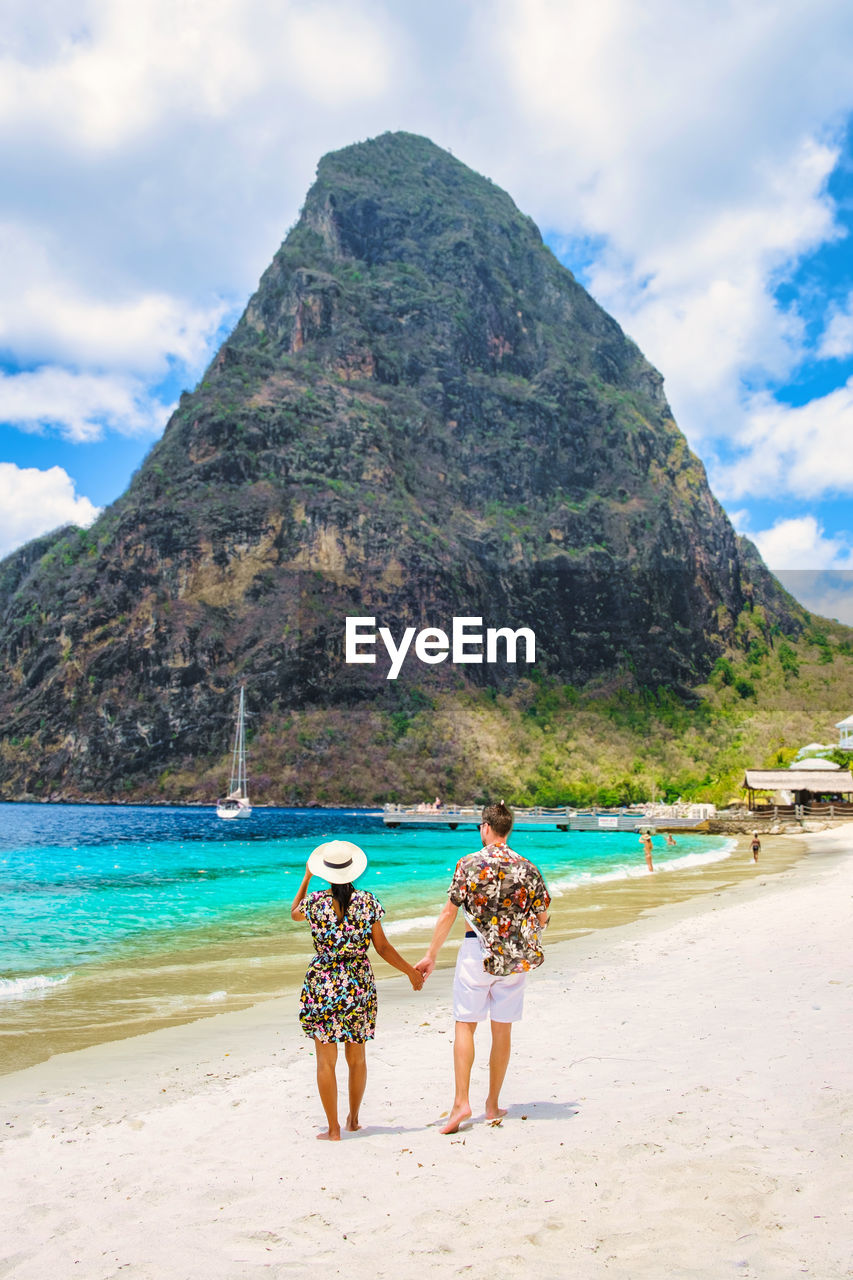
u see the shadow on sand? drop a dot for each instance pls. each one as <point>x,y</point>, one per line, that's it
<point>542,1110</point>
<point>515,1111</point>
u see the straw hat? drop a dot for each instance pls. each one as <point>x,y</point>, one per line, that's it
<point>338,861</point>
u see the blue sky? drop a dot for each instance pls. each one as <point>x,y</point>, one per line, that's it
<point>692,164</point>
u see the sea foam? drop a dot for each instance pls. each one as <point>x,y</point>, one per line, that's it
<point>407,926</point>
<point>634,870</point>
<point>24,988</point>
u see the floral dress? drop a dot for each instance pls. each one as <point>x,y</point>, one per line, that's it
<point>338,1000</point>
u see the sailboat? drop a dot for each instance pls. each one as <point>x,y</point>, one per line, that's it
<point>236,803</point>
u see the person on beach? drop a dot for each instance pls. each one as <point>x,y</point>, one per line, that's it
<point>505,903</point>
<point>755,846</point>
<point>646,838</point>
<point>338,1001</point>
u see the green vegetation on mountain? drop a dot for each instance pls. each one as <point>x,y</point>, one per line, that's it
<point>420,415</point>
<point>547,742</point>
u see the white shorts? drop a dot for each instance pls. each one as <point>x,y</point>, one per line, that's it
<point>478,995</point>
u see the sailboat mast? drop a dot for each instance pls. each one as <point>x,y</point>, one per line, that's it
<point>238,757</point>
<point>236,803</point>
<point>242,736</point>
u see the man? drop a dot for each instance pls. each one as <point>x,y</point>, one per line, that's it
<point>505,902</point>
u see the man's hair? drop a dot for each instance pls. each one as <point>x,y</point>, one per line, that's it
<point>499,818</point>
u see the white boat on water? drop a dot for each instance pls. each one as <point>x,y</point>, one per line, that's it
<point>236,803</point>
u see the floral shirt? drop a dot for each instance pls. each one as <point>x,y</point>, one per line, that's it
<point>502,894</point>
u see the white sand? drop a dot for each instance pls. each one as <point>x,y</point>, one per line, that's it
<point>679,1107</point>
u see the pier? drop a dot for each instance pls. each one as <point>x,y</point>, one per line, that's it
<point>663,818</point>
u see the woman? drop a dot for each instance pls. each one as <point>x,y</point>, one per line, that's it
<point>338,1002</point>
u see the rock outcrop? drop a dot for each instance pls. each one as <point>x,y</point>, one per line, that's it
<point>420,415</point>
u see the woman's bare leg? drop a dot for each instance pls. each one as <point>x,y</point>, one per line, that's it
<point>327,1084</point>
<point>357,1063</point>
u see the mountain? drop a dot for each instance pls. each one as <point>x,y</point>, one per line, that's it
<point>421,415</point>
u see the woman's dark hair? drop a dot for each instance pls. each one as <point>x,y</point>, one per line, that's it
<point>342,894</point>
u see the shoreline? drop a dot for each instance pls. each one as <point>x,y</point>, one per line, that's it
<point>676,1106</point>
<point>174,986</point>
<point>394,990</point>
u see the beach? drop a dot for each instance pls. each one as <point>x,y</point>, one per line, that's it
<point>678,1106</point>
<point>120,921</point>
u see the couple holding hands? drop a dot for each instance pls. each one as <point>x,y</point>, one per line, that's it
<point>505,903</point>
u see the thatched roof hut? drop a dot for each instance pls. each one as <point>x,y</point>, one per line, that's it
<point>805,786</point>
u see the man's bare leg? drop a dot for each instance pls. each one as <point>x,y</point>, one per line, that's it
<point>498,1063</point>
<point>463,1061</point>
<point>327,1084</point>
<point>357,1064</point>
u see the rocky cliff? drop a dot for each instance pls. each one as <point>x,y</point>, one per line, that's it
<point>420,415</point>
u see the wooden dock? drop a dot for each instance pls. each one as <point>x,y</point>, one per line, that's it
<point>562,819</point>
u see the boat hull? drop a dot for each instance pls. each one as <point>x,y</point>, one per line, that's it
<point>229,809</point>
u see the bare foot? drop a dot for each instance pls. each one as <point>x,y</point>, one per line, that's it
<point>457,1117</point>
<point>352,1125</point>
<point>495,1113</point>
<point>328,1136</point>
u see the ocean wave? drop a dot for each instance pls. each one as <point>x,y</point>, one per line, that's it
<point>24,988</point>
<point>698,859</point>
<point>635,870</point>
<point>406,926</point>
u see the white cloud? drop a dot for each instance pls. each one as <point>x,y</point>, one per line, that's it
<point>156,152</point>
<point>792,450</point>
<point>34,502</point>
<point>45,315</point>
<point>335,54</point>
<point>837,340</point>
<point>113,72</point>
<point>145,149</point>
<point>827,593</point>
<point>79,406</point>
<point>816,567</point>
<point>694,143</point>
<point>707,315</point>
<point>670,126</point>
<point>801,543</point>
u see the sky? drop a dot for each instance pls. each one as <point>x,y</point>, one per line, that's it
<point>692,164</point>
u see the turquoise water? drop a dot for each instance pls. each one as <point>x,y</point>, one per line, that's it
<point>88,885</point>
